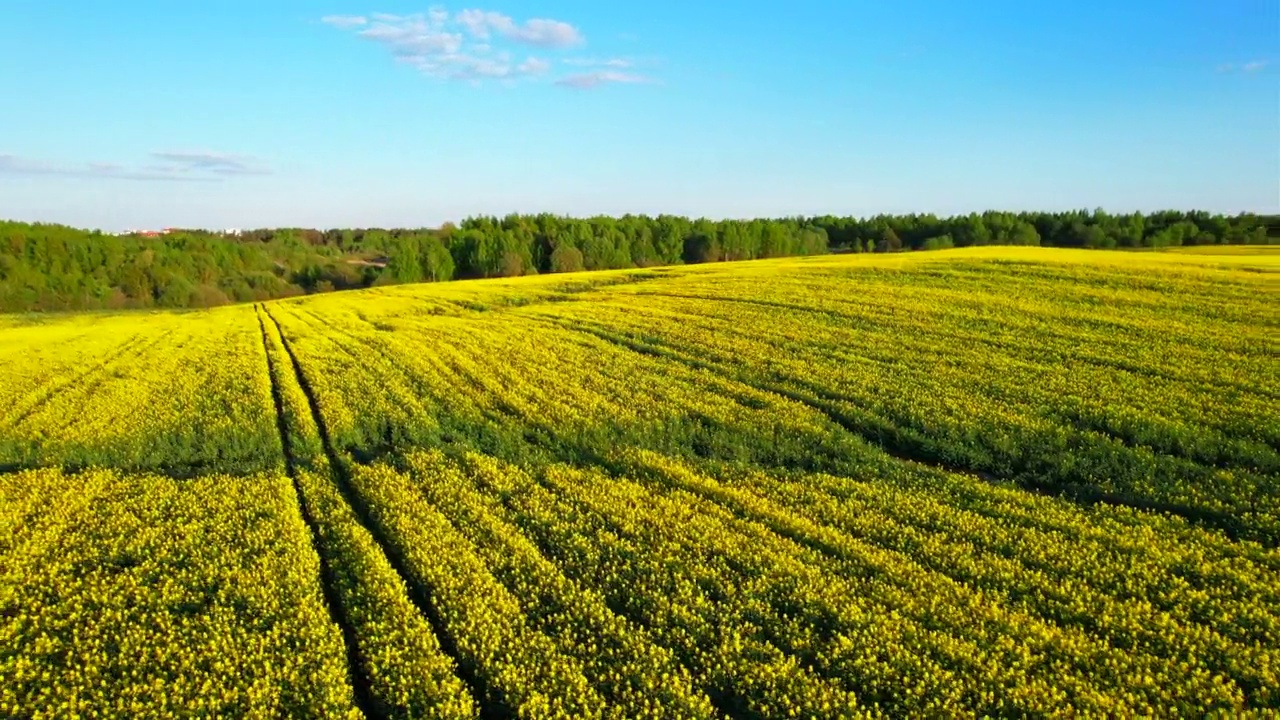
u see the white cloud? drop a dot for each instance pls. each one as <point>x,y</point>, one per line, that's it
<point>461,66</point>
<point>617,63</point>
<point>1255,66</point>
<point>344,22</point>
<point>587,81</point>
<point>415,38</point>
<point>483,24</point>
<point>476,45</point>
<point>534,66</point>
<point>468,67</point>
<point>546,33</point>
<point>471,44</point>
<point>178,167</point>
<point>478,22</point>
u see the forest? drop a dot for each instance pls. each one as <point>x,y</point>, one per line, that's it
<point>46,267</point>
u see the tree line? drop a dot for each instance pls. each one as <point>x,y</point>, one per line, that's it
<point>47,267</point>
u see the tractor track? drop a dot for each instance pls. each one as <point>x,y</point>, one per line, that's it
<point>363,695</point>
<point>489,708</point>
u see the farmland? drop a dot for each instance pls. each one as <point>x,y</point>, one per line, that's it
<point>982,481</point>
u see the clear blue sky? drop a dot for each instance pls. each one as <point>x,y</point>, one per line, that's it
<point>229,113</point>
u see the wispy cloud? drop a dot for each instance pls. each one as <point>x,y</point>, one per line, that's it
<point>212,162</point>
<point>410,39</point>
<point>460,47</point>
<point>345,22</point>
<point>475,45</point>
<point>483,24</point>
<point>617,63</point>
<point>1253,66</point>
<point>534,66</point>
<point>176,167</point>
<point>588,81</point>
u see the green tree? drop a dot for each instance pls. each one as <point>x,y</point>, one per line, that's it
<point>889,241</point>
<point>1024,233</point>
<point>405,263</point>
<point>437,262</point>
<point>566,258</point>
<point>701,248</point>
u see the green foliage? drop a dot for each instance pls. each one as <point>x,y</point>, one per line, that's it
<point>1096,229</point>
<point>702,248</point>
<point>889,241</point>
<point>942,242</point>
<point>437,263</point>
<point>566,258</point>
<point>50,267</point>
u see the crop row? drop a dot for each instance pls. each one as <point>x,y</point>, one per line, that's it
<point>397,654</point>
<point>777,490</point>
<point>867,616</point>
<point>1098,393</point>
<point>144,596</point>
<point>184,395</point>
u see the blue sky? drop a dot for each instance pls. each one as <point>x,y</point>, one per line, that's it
<point>230,113</point>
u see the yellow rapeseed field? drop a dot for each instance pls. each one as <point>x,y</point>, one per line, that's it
<point>996,481</point>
